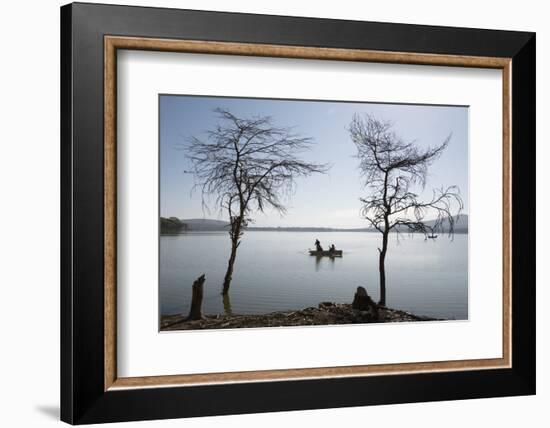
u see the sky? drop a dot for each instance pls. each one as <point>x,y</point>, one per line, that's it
<point>330,200</point>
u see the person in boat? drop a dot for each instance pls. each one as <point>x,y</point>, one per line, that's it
<point>332,249</point>
<point>318,245</point>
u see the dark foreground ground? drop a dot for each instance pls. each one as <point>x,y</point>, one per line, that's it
<point>325,314</point>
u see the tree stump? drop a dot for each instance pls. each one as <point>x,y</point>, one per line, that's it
<point>195,313</point>
<point>363,302</point>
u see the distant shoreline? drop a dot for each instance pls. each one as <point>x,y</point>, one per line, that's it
<point>210,225</point>
<point>300,229</point>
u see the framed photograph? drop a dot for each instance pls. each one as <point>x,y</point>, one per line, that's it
<point>267,213</point>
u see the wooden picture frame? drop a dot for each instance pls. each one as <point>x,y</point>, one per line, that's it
<point>91,390</point>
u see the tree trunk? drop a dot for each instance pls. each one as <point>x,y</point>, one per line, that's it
<point>382,268</point>
<point>195,313</point>
<point>229,272</point>
<point>227,305</point>
<point>236,233</point>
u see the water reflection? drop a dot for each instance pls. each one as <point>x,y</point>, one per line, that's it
<point>319,262</point>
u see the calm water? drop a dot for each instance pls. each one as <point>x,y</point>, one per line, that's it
<point>274,272</point>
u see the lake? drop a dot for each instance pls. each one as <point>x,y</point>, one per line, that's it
<point>274,272</point>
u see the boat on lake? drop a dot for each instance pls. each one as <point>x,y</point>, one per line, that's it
<point>326,253</point>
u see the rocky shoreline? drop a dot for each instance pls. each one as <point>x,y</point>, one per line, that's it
<point>327,313</point>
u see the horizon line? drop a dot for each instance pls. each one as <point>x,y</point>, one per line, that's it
<point>294,227</point>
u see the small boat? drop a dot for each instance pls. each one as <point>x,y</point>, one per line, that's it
<point>326,253</point>
<point>432,236</point>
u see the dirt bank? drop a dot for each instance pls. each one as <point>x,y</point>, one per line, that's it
<point>325,314</point>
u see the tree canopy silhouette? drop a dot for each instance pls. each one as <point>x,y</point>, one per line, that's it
<point>247,165</point>
<point>392,169</point>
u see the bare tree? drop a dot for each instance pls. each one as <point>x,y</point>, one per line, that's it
<point>392,169</point>
<point>247,165</point>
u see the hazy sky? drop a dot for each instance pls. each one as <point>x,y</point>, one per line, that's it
<point>330,200</point>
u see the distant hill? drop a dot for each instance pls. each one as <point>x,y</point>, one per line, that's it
<point>460,226</point>
<point>205,224</point>
<point>171,225</point>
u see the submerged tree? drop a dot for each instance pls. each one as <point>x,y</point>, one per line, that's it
<point>392,170</point>
<point>247,165</point>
